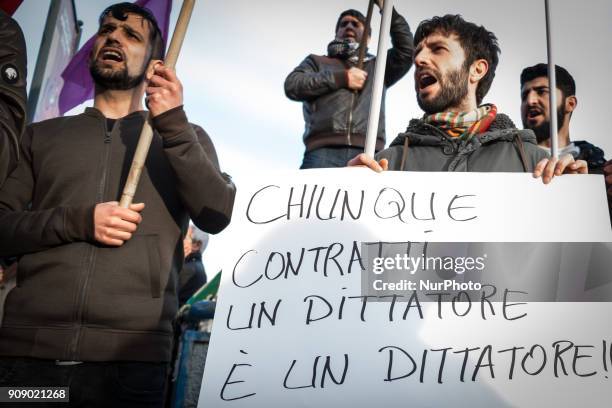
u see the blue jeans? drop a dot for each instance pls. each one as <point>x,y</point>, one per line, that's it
<point>328,157</point>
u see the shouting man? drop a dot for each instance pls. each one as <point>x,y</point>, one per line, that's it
<point>535,113</point>
<point>336,94</point>
<point>96,283</point>
<point>455,64</point>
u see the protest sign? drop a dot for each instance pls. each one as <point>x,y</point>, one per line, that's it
<point>303,318</point>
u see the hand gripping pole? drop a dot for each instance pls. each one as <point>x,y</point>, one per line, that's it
<point>146,135</point>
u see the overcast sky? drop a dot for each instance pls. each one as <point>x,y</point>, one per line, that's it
<point>237,54</point>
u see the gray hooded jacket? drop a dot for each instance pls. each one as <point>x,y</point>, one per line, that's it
<point>502,148</point>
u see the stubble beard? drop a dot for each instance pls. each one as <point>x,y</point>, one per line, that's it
<point>118,80</point>
<point>542,132</point>
<point>453,91</point>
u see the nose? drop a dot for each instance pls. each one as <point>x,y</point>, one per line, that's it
<point>531,98</point>
<point>421,58</point>
<point>113,37</point>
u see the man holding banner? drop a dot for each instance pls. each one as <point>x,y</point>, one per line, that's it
<point>96,290</point>
<point>535,114</point>
<point>455,64</point>
<point>336,92</point>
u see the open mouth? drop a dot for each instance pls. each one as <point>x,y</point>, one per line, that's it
<point>426,80</point>
<point>111,54</point>
<point>533,113</point>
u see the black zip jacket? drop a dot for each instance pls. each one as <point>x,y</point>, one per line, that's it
<point>333,114</point>
<point>75,298</point>
<point>12,93</point>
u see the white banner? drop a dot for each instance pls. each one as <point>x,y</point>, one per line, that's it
<point>299,321</point>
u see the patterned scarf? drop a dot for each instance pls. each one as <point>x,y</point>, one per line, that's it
<point>464,125</point>
<point>345,50</point>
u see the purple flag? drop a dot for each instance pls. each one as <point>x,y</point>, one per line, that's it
<point>78,84</point>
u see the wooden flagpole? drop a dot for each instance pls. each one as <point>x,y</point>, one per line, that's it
<point>146,135</point>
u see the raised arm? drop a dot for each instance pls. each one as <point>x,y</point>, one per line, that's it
<point>307,82</point>
<point>399,57</point>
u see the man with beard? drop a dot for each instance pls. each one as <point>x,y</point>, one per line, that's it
<point>455,64</point>
<point>96,291</point>
<point>535,114</point>
<point>336,94</point>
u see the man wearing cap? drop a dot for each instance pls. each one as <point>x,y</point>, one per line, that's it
<point>336,94</point>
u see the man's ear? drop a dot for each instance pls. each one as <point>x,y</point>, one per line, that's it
<point>478,70</point>
<point>151,68</point>
<point>570,103</point>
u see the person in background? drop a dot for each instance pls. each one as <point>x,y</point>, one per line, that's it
<point>193,275</point>
<point>535,114</point>
<point>336,94</point>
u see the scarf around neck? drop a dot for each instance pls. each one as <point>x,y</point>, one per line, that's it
<point>464,125</point>
<point>345,50</point>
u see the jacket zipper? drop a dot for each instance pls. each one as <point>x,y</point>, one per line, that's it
<point>92,250</point>
<point>350,120</point>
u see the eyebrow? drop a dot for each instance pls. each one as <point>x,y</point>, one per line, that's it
<point>124,26</point>
<point>525,91</point>
<point>536,88</point>
<point>130,30</point>
<point>432,44</point>
<point>108,25</point>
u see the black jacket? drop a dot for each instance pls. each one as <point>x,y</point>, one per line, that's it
<point>192,277</point>
<point>76,299</point>
<point>333,114</point>
<point>12,93</point>
<point>592,154</point>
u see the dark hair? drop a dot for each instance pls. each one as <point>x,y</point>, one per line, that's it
<point>120,12</point>
<point>477,43</point>
<point>353,13</point>
<point>565,82</point>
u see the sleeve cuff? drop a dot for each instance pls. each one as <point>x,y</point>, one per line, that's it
<point>173,126</point>
<point>341,78</point>
<point>79,223</point>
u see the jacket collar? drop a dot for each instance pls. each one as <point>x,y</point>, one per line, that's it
<point>94,112</point>
<point>424,134</point>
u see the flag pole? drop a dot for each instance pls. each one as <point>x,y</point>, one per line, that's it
<point>363,45</point>
<point>552,86</point>
<point>379,79</point>
<point>146,135</point>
